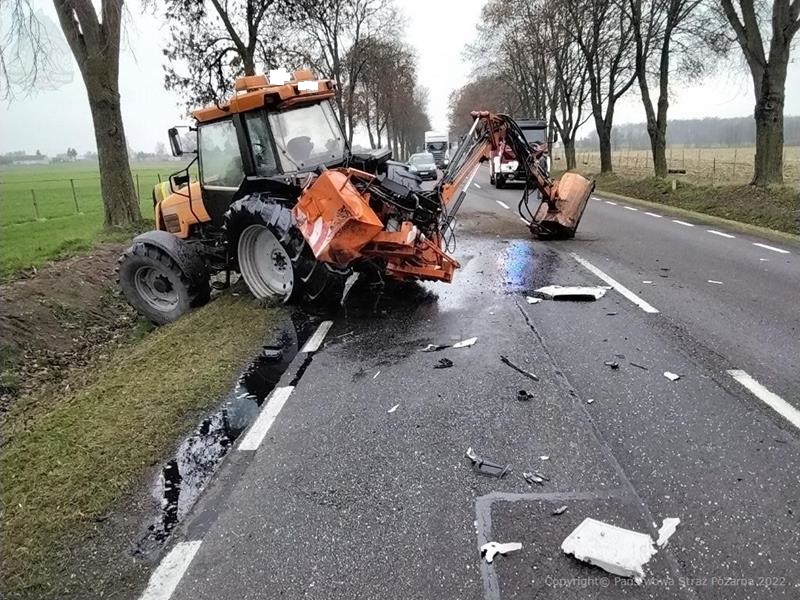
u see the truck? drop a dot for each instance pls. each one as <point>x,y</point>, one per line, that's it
<point>504,166</point>
<point>438,144</point>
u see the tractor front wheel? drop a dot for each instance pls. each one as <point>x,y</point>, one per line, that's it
<point>273,256</point>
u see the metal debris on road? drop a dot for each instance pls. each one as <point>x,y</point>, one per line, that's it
<point>528,374</point>
<point>612,363</point>
<point>611,314</point>
<point>532,300</point>
<point>614,549</point>
<point>444,363</point>
<point>376,375</point>
<point>668,527</point>
<point>533,477</point>
<point>485,466</point>
<point>560,510</point>
<point>490,549</point>
<point>465,343</point>
<point>638,366</point>
<point>671,376</point>
<point>575,292</point>
<point>524,395</point>
<point>394,408</point>
<point>435,347</point>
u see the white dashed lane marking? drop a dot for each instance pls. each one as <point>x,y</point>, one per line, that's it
<point>615,284</point>
<point>269,412</point>
<point>721,234</point>
<point>166,577</point>
<point>611,203</point>
<point>684,223</point>
<point>630,208</point>
<point>773,248</point>
<point>649,214</point>
<point>775,402</point>
<point>503,204</point>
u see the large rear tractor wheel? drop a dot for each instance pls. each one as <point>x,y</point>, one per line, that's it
<point>274,258</point>
<point>157,286</point>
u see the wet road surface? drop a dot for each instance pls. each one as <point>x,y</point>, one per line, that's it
<point>337,497</point>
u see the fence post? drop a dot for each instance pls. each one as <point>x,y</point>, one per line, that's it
<point>74,196</point>
<point>159,177</point>
<point>683,158</point>
<point>714,171</point>
<point>138,192</point>
<point>735,152</point>
<point>35,205</point>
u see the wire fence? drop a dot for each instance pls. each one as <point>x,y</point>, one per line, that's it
<point>706,166</point>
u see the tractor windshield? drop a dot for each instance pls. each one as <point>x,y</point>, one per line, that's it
<point>534,136</point>
<point>307,137</point>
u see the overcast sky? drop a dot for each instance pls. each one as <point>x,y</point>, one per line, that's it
<point>438,29</point>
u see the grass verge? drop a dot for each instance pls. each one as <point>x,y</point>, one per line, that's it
<point>774,207</point>
<point>67,463</point>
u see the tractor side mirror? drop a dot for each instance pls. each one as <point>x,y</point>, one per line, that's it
<point>175,141</point>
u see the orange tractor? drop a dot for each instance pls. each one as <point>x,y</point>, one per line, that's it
<point>281,199</point>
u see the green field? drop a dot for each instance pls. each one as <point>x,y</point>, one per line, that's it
<point>60,223</point>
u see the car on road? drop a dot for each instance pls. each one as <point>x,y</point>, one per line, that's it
<point>424,165</point>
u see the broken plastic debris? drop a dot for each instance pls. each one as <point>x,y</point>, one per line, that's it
<point>614,549</point>
<point>532,300</point>
<point>544,458</point>
<point>444,363</point>
<point>465,343</point>
<point>562,292</point>
<point>647,281</point>
<point>671,376</point>
<point>532,477</point>
<point>485,466</point>
<point>490,549</point>
<point>560,510</point>
<point>590,400</point>
<point>394,408</point>
<point>528,374</point>
<point>611,363</point>
<point>714,281</point>
<point>524,395</point>
<point>376,375</point>
<point>435,347</point>
<point>668,527</point>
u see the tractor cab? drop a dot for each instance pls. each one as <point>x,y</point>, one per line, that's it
<point>266,137</point>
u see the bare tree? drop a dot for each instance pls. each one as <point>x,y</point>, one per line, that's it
<point>213,42</point>
<point>768,70</point>
<point>605,38</point>
<point>95,41</point>
<point>484,93</point>
<point>333,36</point>
<point>661,30</point>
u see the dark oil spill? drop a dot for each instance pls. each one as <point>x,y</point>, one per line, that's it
<point>526,266</point>
<point>184,476</point>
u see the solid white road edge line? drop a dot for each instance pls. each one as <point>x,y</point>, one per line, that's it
<point>773,248</point>
<point>616,285</point>
<point>503,204</point>
<point>169,572</point>
<point>255,435</point>
<point>683,223</point>
<point>653,215</point>
<point>315,341</point>
<point>775,402</point>
<point>719,233</point>
<point>630,208</point>
<point>611,203</point>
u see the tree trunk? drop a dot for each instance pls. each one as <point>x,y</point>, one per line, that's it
<point>604,137</point>
<point>769,128</point>
<point>121,206</point>
<point>569,152</point>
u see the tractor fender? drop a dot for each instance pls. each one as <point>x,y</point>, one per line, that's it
<point>187,258</point>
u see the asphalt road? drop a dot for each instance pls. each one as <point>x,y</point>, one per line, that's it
<point>344,499</point>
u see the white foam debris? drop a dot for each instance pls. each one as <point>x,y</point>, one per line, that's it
<point>668,527</point>
<point>614,549</point>
<point>394,408</point>
<point>490,549</point>
<point>532,300</point>
<point>671,376</point>
<point>574,292</point>
<point>465,343</point>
